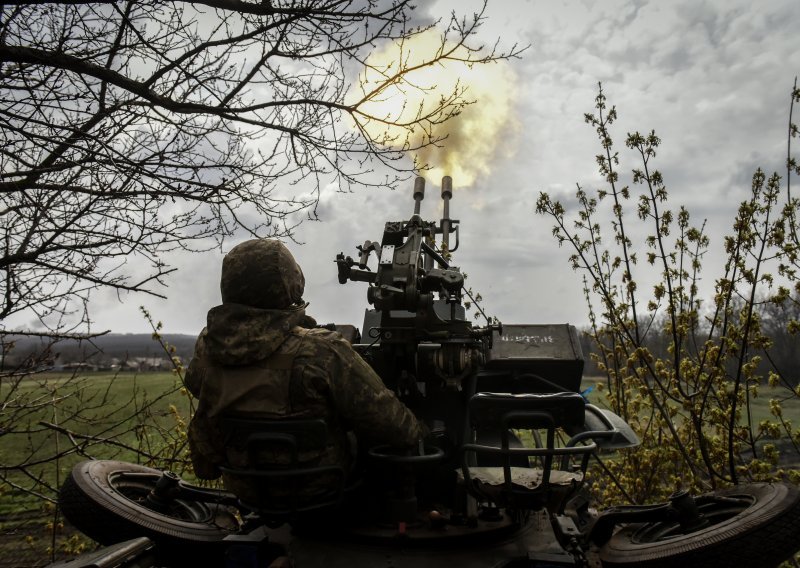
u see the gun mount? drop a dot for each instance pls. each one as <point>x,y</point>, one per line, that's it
<point>418,322</point>
<point>418,338</point>
<point>418,326</point>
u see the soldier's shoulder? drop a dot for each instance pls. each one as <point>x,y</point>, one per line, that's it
<point>323,339</point>
<point>200,344</point>
<point>320,335</point>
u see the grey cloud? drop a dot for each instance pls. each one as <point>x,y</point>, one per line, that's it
<point>712,78</point>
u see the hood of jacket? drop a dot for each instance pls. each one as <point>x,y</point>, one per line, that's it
<point>241,335</point>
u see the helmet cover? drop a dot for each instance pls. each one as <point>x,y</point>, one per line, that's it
<point>261,273</point>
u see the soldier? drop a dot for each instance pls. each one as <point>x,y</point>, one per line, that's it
<point>256,358</point>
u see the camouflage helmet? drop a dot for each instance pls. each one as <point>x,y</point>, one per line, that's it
<point>261,273</point>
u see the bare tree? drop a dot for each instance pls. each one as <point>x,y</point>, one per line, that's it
<point>134,128</point>
<point>131,129</point>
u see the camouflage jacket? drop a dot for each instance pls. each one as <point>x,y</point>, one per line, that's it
<point>260,363</point>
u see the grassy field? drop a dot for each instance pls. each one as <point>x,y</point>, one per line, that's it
<point>51,422</point>
<point>759,406</point>
<point>126,417</point>
<point>59,420</point>
<point>130,417</point>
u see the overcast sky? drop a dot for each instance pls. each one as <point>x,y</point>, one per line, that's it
<point>712,78</point>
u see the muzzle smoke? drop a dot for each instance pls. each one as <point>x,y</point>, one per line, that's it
<point>475,137</point>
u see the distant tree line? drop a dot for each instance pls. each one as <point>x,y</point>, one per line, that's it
<point>111,351</point>
<point>781,356</point>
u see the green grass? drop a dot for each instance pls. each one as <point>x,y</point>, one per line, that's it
<point>759,410</point>
<point>128,417</point>
<point>759,406</point>
<point>101,415</point>
<point>104,416</point>
<point>131,410</point>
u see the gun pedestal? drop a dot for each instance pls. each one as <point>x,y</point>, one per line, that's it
<point>399,470</point>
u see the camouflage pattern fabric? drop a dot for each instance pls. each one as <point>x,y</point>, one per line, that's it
<point>261,273</point>
<point>262,363</point>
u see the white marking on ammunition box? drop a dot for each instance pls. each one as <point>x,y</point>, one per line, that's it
<point>528,338</point>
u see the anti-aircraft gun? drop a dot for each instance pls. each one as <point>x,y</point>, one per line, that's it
<point>473,494</point>
<point>417,335</point>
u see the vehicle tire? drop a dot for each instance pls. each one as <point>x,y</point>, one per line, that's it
<point>762,530</point>
<point>105,501</point>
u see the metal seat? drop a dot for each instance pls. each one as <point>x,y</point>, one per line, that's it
<point>529,488</point>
